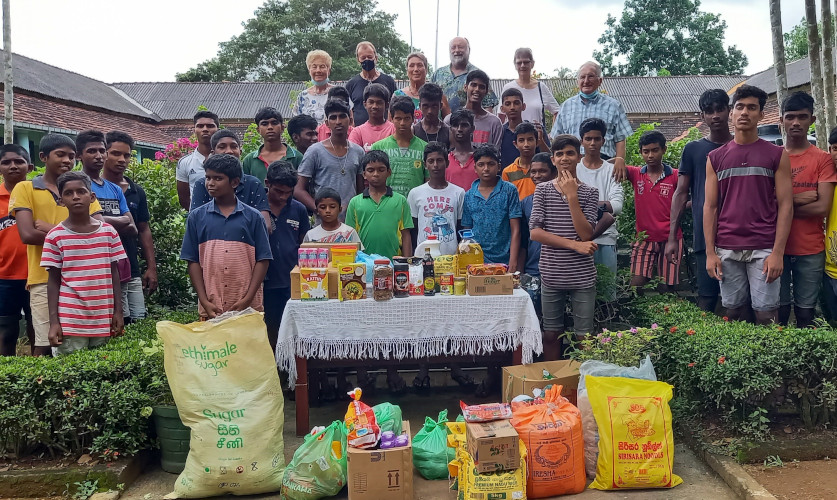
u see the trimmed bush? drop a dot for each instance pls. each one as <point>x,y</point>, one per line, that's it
<point>94,401</point>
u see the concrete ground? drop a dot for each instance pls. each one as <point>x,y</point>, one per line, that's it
<point>699,482</point>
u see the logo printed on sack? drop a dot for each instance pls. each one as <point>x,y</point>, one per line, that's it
<point>210,359</point>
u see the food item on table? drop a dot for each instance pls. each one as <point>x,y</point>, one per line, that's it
<point>446,284</point>
<point>361,425</point>
<point>485,412</point>
<point>636,440</point>
<point>459,285</point>
<point>313,283</point>
<point>341,255</point>
<point>303,258</point>
<point>446,264</point>
<point>352,281</point>
<point>487,269</point>
<point>416,276</point>
<point>468,252</point>
<point>428,266</point>
<point>401,285</point>
<point>322,257</point>
<point>382,280</point>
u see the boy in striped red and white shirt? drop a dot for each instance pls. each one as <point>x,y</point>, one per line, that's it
<point>80,255</point>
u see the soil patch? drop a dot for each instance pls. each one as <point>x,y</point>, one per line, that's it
<point>812,480</point>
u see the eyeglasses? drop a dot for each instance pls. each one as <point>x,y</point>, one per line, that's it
<point>524,62</point>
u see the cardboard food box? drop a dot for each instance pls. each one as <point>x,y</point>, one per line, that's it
<point>521,379</point>
<point>329,245</point>
<point>353,281</point>
<point>382,474</point>
<point>313,284</point>
<point>333,283</point>
<point>502,284</point>
<point>494,446</point>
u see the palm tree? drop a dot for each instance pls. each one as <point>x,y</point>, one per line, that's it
<point>828,65</point>
<point>815,57</point>
<point>778,49</point>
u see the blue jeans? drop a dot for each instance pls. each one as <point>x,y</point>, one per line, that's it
<point>606,256</point>
<point>802,275</point>
<point>133,300</point>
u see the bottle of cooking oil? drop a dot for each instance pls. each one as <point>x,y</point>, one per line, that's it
<point>468,252</point>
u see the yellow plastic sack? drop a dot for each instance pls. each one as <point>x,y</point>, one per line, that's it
<point>224,381</point>
<point>636,441</point>
<point>509,484</point>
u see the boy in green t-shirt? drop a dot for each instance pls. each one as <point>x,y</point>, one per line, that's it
<point>379,215</point>
<point>404,149</point>
<point>270,126</point>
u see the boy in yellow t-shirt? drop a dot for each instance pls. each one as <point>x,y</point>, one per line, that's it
<point>36,206</point>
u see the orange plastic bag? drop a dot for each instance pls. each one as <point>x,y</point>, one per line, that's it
<point>361,425</point>
<point>552,433</point>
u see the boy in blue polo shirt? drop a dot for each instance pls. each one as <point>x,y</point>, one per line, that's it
<point>225,244</point>
<point>290,224</point>
<point>492,210</point>
<point>380,216</point>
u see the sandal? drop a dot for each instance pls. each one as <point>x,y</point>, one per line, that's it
<point>422,384</point>
<point>464,381</point>
<point>396,386</point>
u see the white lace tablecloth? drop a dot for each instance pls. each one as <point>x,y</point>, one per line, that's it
<point>407,328</point>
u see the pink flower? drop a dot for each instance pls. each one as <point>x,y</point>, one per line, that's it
<point>633,330</point>
<point>159,155</point>
<point>619,335</point>
<point>654,326</point>
<point>605,340</point>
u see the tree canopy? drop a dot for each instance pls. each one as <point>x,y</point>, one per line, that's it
<point>276,40</point>
<point>796,40</point>
<point>671,35</point>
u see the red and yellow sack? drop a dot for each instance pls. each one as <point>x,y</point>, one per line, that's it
<point>552,433</point>
<point>636,442</point>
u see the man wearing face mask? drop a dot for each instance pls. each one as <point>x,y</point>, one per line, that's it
<point>367,56</point>
<point>452,78</point>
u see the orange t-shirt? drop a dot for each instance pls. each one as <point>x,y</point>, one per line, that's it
<point>521,180</point>
<point>13,263</point>
<point>808,169</point>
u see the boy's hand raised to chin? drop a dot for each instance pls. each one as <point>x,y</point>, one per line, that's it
<point>568,185</point>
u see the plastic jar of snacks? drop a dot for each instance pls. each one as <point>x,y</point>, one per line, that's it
<point>382,277</point>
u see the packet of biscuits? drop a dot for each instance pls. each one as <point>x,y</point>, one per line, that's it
<point>487,269</point>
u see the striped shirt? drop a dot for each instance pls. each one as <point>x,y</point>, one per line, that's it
<point>747,205</point>
<point>576,109</point>
<point>562,268</point>
<point>85,299</point>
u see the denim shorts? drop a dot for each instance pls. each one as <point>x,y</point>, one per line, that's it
<point>554,304</point>
<point>14,299</point>
<point>801,280</point>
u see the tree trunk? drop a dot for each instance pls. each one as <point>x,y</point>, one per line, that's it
<point>8,82</point>
<point>815,57</point>
<point>828,66</point>
<point>778,50</point>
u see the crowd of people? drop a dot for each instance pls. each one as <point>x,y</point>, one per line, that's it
<point>390,167</point>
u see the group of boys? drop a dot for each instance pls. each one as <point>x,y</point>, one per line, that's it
<point>70,243</point>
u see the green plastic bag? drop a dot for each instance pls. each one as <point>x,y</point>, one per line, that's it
<point>318,468</point>
<point>430,448</point>
<point>388,417</point>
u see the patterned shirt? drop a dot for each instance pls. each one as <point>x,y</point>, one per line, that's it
<point>576,109</point>
<point>454,87</point>
<point>489,218</point>
<point>407,164</point>
<point>312,105</point>
<point>551,212</point>
<point>85,298</point>
<point>227,248</point>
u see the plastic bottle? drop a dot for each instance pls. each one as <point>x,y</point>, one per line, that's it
<point>428,264</point>
<point>433,243</point>
<point>469,252</point>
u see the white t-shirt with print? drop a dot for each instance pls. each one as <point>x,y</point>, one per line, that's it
<point>437,212</point>
<point>343,234</point>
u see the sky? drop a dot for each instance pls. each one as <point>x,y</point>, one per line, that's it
<point>154,39</point>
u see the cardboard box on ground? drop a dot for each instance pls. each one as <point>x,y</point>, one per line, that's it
<point>382,474</point>
<point>494,446</point>
<point>521,379</point>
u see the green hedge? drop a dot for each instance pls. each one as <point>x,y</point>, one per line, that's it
<point>742,374</point>
<point>94,401</point>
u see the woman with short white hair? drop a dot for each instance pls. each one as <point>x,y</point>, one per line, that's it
<point>311,101</point>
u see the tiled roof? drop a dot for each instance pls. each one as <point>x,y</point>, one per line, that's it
<point>58,116</point>
<point>51,81</point>
<point>798,72</point>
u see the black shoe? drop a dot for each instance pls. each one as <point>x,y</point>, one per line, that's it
<point>422,385</point>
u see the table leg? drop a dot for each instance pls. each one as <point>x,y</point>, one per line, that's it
<point>301,390</point>
<point>517,356</point>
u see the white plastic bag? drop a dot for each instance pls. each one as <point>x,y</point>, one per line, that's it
<point>645,371</point>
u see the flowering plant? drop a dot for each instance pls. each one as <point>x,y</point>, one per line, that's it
<point>623,348</point>
<point>176,150</point>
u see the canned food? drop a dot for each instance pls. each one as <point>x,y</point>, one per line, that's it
<point>446,284</point>
<point>459,286</point>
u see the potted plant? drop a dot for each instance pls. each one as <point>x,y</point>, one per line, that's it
<point>173,436</point>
